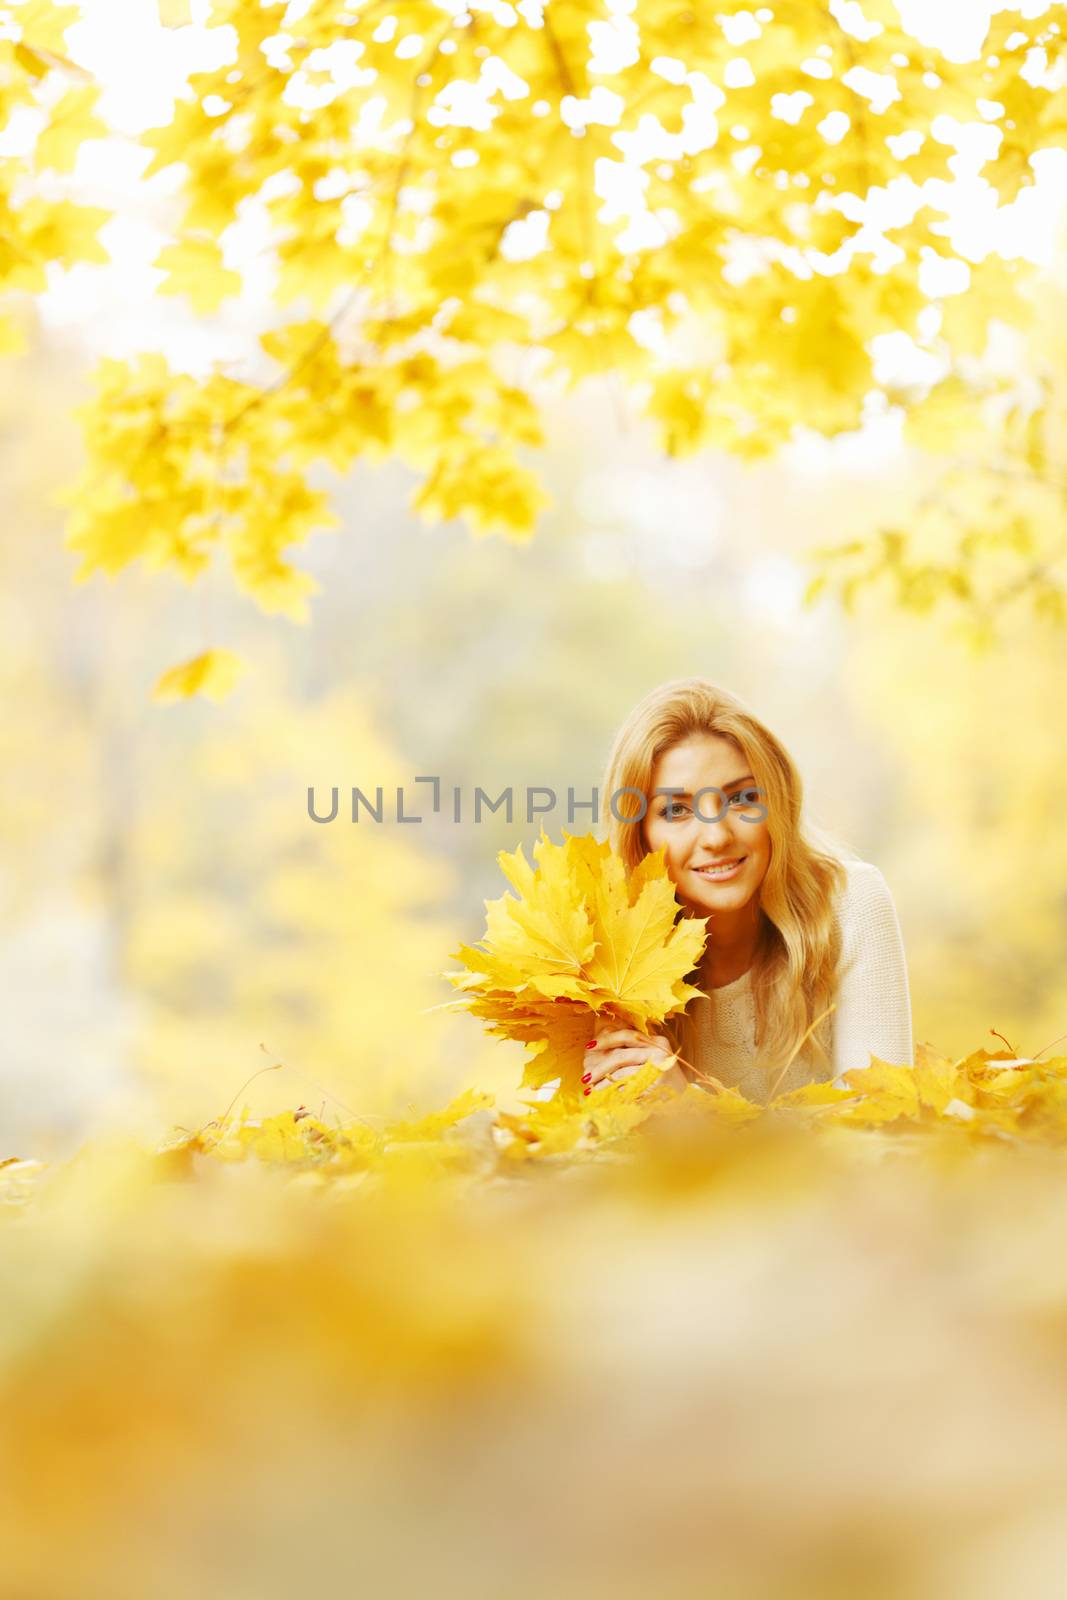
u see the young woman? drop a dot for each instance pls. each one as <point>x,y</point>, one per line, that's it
<point>797,924</point>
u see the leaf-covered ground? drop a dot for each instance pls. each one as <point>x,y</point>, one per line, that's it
<point>987,1096</point>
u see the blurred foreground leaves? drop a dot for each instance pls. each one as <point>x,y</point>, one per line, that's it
<point>817,1348</point>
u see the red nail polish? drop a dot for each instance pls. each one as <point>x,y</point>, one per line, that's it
<point>590,1045</point>
<point>586,1077</point>
<point>585,1091</point>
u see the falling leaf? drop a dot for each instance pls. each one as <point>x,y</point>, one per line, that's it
<point>213,674</point>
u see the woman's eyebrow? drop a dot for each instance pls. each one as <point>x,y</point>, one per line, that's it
<point>686,794</point>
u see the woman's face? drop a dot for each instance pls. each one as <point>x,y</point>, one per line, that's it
<point>735,829</point>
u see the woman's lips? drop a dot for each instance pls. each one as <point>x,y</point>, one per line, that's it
<point>720,876</point>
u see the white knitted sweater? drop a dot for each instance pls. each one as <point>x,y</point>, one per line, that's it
<point>873,1004</point>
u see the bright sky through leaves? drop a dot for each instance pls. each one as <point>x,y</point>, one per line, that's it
<point>141,66</point>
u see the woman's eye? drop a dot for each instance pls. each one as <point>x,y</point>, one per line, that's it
<point>674,809</point>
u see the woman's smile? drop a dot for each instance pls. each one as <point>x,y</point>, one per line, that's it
<point>713,872</point>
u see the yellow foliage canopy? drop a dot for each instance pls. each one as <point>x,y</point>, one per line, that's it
<point>988,537</point>
<point>475,200</point>
<point>41,90</point>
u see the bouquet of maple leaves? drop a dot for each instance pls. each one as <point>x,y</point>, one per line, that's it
<point>583,939</point>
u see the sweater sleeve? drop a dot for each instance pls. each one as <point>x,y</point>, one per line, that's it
<point>873,1015</point>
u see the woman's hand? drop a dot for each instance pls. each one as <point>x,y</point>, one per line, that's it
<point>617,1053</point>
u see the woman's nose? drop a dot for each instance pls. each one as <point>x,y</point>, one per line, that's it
<point>715,830</point>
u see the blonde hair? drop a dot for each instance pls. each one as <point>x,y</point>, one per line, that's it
<point>799,939</point>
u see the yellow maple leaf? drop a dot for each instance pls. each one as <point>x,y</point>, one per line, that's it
<point>885,1093</point>
<point>936,1079</point>
<point>213,673</point>
<point>194,267</point>
<point>582,937</point>
<point>73,120</point>
<point>438,1123</point>
<point>638,953</point>
<point>485,484</point>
